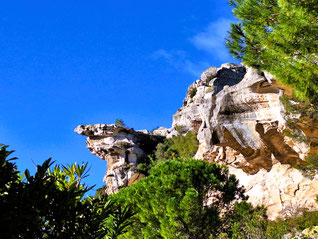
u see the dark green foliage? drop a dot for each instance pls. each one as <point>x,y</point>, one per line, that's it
<point>293,131</point>
<point>164,151</point>
<point>172,201</point>
<point>8,171</point>
<point>208,79</point>
<point>50,204</point>
<point>310,167</point>
<point>279,36</point>
<point>276,229</point>
<point>247,222</point>
<point>116,223</point>
<point>178,146</point>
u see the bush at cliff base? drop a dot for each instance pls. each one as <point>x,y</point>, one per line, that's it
<point>51,204</point>
<point>187,198</point>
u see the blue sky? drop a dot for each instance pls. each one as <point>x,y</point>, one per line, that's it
<point>65,63</point>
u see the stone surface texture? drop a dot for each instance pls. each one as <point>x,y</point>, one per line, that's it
<point>239,120</point>
<point>122,148</point>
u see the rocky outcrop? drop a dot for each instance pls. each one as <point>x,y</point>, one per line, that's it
<point>240,121</point>
<point>238,109</point>
<point>122,148</point>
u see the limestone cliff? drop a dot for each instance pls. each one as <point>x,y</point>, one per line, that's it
<point>122,148</point>
<point>239,120</point>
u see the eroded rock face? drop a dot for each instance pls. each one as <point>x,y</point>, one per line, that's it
<point>239,120</point>
<point>122,148</point>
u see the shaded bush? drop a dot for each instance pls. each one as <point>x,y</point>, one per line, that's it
<point>51,204</point>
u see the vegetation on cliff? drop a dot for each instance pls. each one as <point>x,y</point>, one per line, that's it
<point>184,146</point>
<point>178,146</point>
<point>293,225</point>
<point>300,117</point>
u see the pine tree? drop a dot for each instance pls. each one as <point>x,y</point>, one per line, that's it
<point>182,198</point>
<point>281,37</point>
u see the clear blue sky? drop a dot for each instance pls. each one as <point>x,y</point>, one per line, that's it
<point>65,63</point>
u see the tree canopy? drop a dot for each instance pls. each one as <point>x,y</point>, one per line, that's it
<point>182,198</point>
<point>281,37</point>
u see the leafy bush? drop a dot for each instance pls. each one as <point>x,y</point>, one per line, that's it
<point>51,204</point>
<point>178,146</point>
<point>276,229</point>
<point>247,222</point>
<point>181,199</point>
<point>310,167</point>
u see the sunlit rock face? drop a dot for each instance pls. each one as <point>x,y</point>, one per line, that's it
<point>239,121</point>
<point>122,148</point>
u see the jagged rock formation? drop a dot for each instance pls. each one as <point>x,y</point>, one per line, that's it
<point>122,148</point>
<point>239,120</point>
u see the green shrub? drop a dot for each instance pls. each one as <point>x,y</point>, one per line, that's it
<point>304,109</point>
<point>310,167</point>
<point>51,204</point>
<point>276,229</point>
<point>172,201</point>
<point>164,151</point>
<point>248,222</point>
<point>178,146</point>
